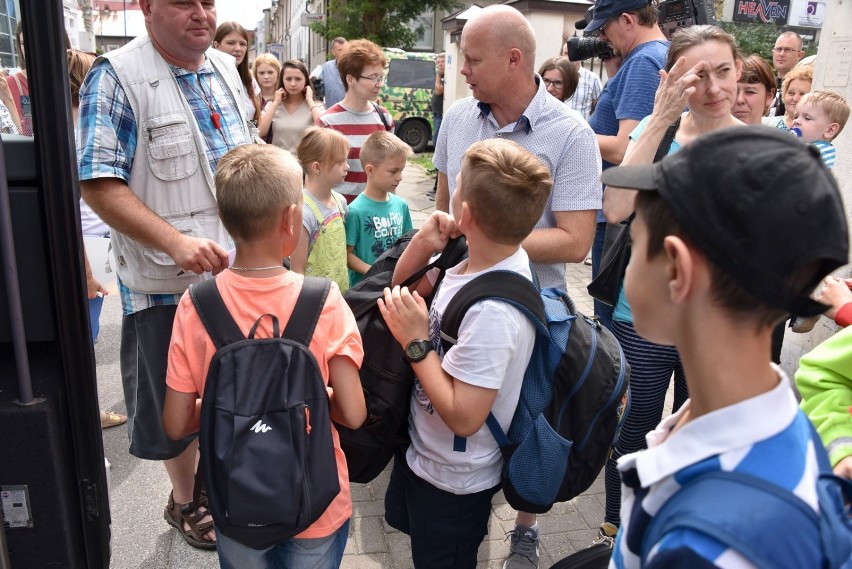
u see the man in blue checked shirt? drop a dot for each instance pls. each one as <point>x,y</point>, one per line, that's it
<point>155,118</point>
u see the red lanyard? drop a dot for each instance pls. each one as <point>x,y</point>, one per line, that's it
<point>215,117</point>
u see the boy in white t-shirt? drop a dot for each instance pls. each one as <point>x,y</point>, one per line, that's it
<point>441,487</point>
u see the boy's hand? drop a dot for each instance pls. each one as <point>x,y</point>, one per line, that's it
<point>835,293</point>
<point>405,314</point>
<point>438,230</point>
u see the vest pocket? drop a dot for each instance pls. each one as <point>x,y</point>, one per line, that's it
<point>171,149</point>
<point>154,264</point>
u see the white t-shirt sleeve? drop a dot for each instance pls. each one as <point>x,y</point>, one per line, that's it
<point>495,340</point>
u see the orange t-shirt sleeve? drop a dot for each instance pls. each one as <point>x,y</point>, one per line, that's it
<point>336,333</point>
<point>188,351</point>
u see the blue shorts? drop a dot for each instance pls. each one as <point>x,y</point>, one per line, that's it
<point>318,553</point>
<point>446,529</point>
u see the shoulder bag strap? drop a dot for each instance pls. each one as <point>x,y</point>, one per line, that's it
<point>217,320</point>
<point>300,327</point>
<point>668,138</point>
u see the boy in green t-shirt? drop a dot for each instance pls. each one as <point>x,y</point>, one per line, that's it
<point>378,217</point>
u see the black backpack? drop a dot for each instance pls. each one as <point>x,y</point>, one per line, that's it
<point>386,376</point>
<point>572,398</point>
<point>267,454</point>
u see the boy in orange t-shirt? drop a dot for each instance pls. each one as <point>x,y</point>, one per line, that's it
<point>259,192</point>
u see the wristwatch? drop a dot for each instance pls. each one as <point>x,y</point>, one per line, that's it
<point>416,350</point>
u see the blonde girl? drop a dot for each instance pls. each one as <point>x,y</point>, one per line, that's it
<point>322,250</point>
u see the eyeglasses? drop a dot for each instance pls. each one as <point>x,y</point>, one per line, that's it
<point>609,20</point>
<point>375,78</point>
<point>785,50</point>
<point>556,84</point>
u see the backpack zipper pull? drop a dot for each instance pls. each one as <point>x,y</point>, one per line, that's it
<point>307,420</point>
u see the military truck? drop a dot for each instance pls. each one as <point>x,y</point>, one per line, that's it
<point>407,95</point>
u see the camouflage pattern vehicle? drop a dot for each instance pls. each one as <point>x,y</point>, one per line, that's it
<point>407,95</point>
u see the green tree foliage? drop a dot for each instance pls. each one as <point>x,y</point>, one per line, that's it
<point>759,38</point>
<point>389,23</point>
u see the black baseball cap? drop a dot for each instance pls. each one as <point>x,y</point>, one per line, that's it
<point>603,10</point>
<point>758,202</point>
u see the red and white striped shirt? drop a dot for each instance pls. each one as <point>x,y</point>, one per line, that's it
<point>356,126</point>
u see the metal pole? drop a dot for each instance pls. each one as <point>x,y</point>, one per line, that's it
<point>10,274</point>
<point>5,563</point>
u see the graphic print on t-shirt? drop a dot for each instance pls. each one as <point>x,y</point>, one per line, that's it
<point>385,231</point>
<point>434,337</point>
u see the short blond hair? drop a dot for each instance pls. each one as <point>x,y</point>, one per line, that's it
<point>804,73</point>
<point>322,145</point>
<point>381,146</point>
<point>254,184</point>
<point>832,104</point>
<point>506,188</point>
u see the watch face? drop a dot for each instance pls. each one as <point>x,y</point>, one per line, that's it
<point>416,350</point>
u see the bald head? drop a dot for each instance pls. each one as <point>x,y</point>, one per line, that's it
<point>504,28</point>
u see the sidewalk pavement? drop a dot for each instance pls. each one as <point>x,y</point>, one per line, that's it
<point>139,489</point>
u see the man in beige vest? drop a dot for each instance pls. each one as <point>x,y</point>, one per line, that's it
<point>155,118</point>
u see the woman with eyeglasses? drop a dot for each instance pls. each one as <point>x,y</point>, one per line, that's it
<point>292,109</point>
<point>362,68</point>
<point>560,77</point>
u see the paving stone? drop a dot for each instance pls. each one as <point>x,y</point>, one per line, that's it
<point>369,536</point>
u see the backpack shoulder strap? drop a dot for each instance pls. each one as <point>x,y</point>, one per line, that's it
<point>507,286</point>
<point>451,256</point>
<point>381,115</point>
<point>300,327</point>
<point>741,520</point>
<point>217,320</point>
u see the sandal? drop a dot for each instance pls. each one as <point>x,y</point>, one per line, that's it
<point>179,514</point>
<point>112,419</point>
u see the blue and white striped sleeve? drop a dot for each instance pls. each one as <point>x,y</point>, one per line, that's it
<point>106,127</point>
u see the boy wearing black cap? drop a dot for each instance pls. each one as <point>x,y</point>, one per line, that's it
<point>731,235</point>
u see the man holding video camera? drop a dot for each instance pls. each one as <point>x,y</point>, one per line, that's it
<point>630,28</point>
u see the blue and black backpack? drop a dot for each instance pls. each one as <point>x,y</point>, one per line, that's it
<point>573,394</point>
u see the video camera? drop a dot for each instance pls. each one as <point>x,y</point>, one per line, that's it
<point>318,86</point>
<point>583,48</point>
<point>671,15</point>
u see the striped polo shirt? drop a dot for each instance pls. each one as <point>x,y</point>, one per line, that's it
<point>765,436</point>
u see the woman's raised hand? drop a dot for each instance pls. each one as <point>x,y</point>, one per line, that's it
<point>675,88</point>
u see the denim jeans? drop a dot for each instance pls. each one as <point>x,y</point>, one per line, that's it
<point>437,120</point>
<point>319,553</point>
